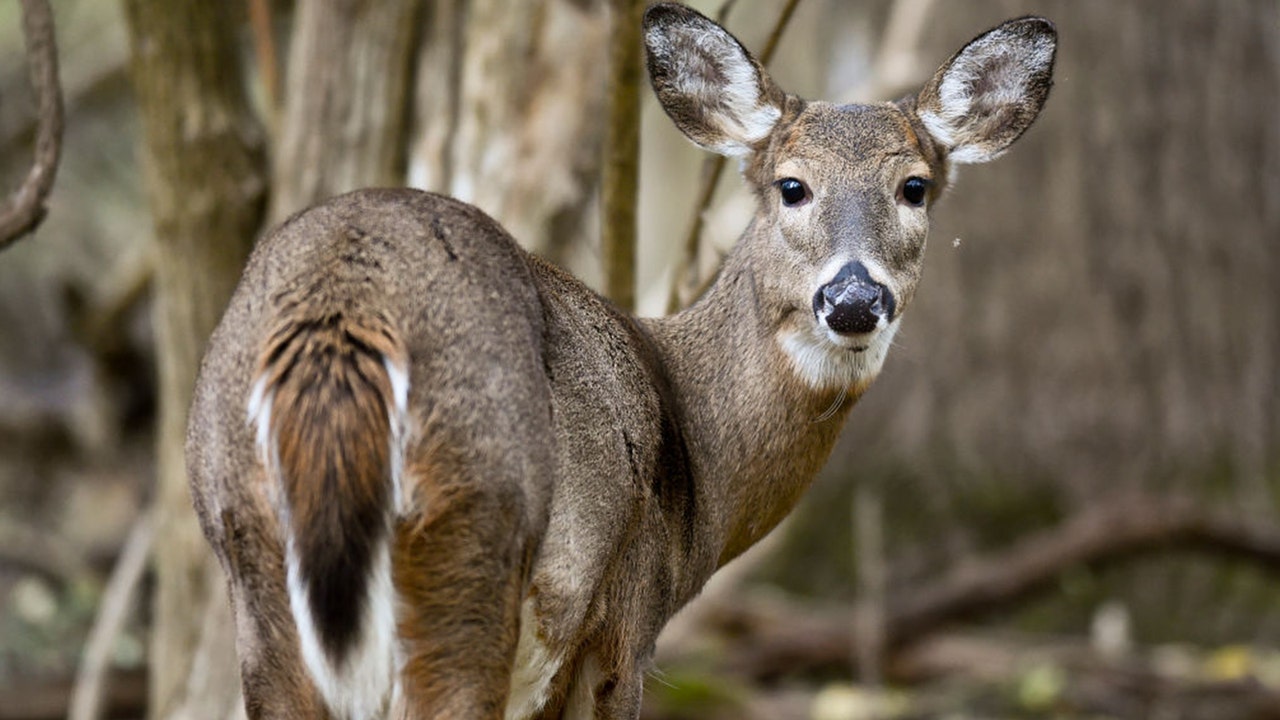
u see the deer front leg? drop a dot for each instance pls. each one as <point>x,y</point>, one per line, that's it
<point>460,563</point>
<point>618,697</point>
<point>602,696</point>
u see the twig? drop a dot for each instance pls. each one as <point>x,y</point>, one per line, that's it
<point>25,208</point>
<point>726,7</point>
<point>686,274</point>
<point>265,48</point>
<point>869,611</point>
<point>86,696</point>
<point>1094,683</point>
<point>621,172</point>
<point>775,35</point>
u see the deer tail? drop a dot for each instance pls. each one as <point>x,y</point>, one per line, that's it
<point>330,407</point>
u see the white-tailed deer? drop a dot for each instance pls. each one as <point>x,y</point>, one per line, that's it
<point>447,480</point>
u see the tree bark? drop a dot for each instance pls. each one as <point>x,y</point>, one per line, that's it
<point>620,177</point>
<point>509,101</point>
<point>347,100</point>
<point>205,167</point>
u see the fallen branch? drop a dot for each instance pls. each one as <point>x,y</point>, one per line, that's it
<point>1106,534</point>
<point>23,211</point>
<point>773,639</point>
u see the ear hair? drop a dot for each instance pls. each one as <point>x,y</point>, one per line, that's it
<point>983,98</point>
<point>709,85</point>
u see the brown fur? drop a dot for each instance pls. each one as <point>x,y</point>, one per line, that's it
<point>445,559</point>
<point>324,369</point>
<point>562,457</point>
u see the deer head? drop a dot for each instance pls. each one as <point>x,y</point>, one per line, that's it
<point>843,191</point>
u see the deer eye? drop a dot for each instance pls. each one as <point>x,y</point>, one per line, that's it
<point>914,189</point>
<point>793,192</point>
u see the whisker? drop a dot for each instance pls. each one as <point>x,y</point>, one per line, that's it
<point>660,676</point>
<point>835,407</point>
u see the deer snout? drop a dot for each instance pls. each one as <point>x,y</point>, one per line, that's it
<point>852,303</point>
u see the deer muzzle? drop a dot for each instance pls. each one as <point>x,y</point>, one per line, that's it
<point>852,303</point>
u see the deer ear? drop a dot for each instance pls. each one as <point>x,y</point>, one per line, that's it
<point>709,85</point>
<point>983,98</point>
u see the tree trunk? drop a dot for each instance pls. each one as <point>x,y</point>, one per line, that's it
<point>205,172</point>
<point>620,174</point>
<point>347,100</point>
<point>510,97</point>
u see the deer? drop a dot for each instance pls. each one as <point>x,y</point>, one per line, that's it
<point>446,479</point>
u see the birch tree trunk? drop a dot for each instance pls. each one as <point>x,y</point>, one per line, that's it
<point>509,98</point>
<point>205,167</point>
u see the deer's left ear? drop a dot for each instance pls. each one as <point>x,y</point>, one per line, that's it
<point>983,98</point>
<point>709,85</point>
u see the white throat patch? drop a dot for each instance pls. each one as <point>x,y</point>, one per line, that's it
<point>825,365</point>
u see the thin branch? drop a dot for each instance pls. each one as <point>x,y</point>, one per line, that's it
<point>726,7</point>
<point>870,611</point>
<point>686,275</point>
<point>265,48</point>
<point>86,697</point>
<point>775,35</point>
<point>621,172</point>
<point>25,208</point>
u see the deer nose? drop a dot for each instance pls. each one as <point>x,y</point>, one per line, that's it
<point>852,303</point>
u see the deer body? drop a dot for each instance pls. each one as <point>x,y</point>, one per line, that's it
<point>446,479</point>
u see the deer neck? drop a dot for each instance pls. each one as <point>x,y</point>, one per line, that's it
<point>757,433</point>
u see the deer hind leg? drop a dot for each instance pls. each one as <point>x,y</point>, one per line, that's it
<point>272,675</point>
<point>461,558</point>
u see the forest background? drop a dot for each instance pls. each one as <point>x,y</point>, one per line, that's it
<point>1059,500</point>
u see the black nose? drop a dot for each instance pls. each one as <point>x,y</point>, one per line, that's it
<point>853,303</point>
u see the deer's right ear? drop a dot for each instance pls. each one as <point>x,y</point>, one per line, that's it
<point>710,86</point>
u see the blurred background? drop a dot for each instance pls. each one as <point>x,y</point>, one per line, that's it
<point>1059,500</point>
